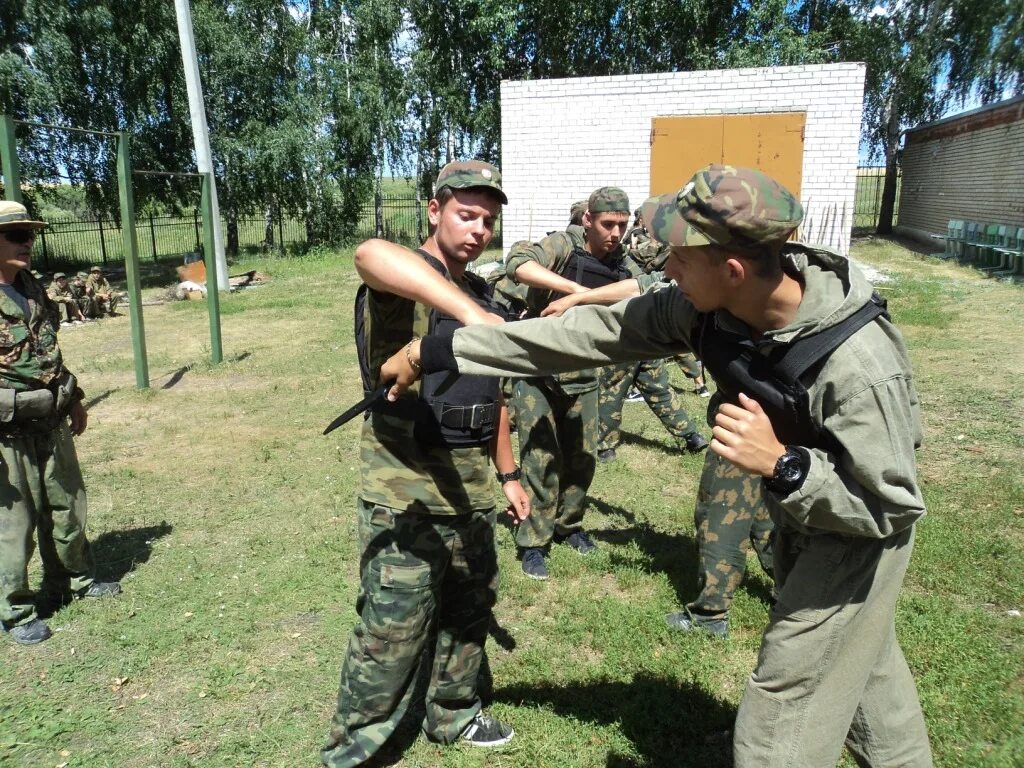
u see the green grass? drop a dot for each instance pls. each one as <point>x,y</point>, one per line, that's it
<point>230,520</point>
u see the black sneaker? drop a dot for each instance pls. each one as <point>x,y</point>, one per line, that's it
<point>694,442</point>
<point>533,563</point>
<point>31,633</point>
<point>608,454</point>
<point>485,731</point>
<point>702,392</point>
<point>580,541</point>
<point>101,589</point>
<point>684,621</point>
<point>633,396</point>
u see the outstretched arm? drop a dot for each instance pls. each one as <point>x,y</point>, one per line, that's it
<point>390,268</point>
<point>606,295</point>
<point>535,275</point>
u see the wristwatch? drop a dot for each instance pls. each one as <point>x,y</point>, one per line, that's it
<point>790,471</point>
<point>508,477</point>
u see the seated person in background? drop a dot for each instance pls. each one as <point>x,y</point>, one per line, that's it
<point>105,297</point>
<point>60,293</point>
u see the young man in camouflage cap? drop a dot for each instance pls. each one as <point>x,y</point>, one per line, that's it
<point>40,410</point>
<point>837,462</point>
<point>104,296</point>
<point>428,566</point>
<point>556,416</point>
<point>60,293</point>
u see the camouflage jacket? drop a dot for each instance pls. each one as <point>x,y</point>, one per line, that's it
<point>30,357</point>
<point>99,285</point>
<point>60,295</point>
<point>396,470</point>
<point>863,395</point>
<point>553,252</point>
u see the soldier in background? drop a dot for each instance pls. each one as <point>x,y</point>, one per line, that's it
<point>556,416</point>
<point>105,297</point>
<point>83,294</point>
<point>428,566</point>
<point>42,490</point>
<point>60,293</point>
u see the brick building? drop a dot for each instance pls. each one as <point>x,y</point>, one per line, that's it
<point>968,166</point>
<point>563,138</point>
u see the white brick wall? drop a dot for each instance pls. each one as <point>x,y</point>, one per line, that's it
<point>561,139</point>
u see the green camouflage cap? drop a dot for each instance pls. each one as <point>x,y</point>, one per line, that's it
<point>468,174</point>
<point>95,268</point>
<point>608,200</point>
<point>82,275</point>
<point>664,224</point>
<point>730,206</point>
<point>576,211</point>
<point>60,276</point>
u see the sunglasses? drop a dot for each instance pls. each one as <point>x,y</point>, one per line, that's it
<point>19,236</point>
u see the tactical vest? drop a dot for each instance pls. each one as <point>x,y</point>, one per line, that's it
<point>584,268</point>
<point>776,380</point>
<point>451,410</point>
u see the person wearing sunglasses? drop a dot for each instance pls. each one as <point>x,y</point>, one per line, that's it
<point>41,487</point>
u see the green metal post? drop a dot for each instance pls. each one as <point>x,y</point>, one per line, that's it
<point>212,294</point>
<point>9,158</point>
<point>131,260</point>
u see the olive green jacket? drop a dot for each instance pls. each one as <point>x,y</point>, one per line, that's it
<point>864,394</point>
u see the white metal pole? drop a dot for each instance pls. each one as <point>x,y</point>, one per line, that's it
<point>200,130</point>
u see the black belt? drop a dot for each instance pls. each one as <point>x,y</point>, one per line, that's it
<point>465,416</point>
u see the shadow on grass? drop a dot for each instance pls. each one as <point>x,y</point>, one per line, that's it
<point>670,724</point>
<point>117,553</point>
<point>667,448</point>
<point>98,399</point>
<point>673,554</point>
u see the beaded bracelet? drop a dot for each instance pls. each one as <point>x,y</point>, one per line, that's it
<point>416,367</point>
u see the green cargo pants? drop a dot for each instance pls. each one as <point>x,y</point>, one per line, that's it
<point>41,490</point>
<point>730,517</point>
<point>830,668</point>
<point>419,575</point>
<point>651,379</point>
<point>557,452</point>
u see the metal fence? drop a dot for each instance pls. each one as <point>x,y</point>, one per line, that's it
<point>399,218</point>
<point>868,200</point>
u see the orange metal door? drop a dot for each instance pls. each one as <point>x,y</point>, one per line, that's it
<point>773,143</point>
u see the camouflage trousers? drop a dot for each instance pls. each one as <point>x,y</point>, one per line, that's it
<point>42,492</point>
<point>651,379</point>
<point>688,365</point>
<point>830,669</point>
<point>557,453</point>
<point>731,517</point>
<point>421,577</point>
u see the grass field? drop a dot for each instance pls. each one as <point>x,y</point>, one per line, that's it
<point>230,521</point>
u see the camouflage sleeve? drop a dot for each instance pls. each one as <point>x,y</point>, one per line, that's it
<point>552,252</point>
<point>649,327</point>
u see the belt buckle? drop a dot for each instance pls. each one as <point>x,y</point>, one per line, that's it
<point>476,416</point>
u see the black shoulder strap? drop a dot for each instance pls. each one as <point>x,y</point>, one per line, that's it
<point>803,354</point>
<point>434,262</point>
<point>360,337</point>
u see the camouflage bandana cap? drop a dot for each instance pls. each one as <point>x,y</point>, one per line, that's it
<point>470,174</point>
<point>608,200</point>
<point>15,216</point>
<point>739,207</point>
<point>60,276</point>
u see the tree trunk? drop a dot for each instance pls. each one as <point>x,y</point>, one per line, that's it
<point>232,221</point>
<point>268,227</point>
<point>891,146</point>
